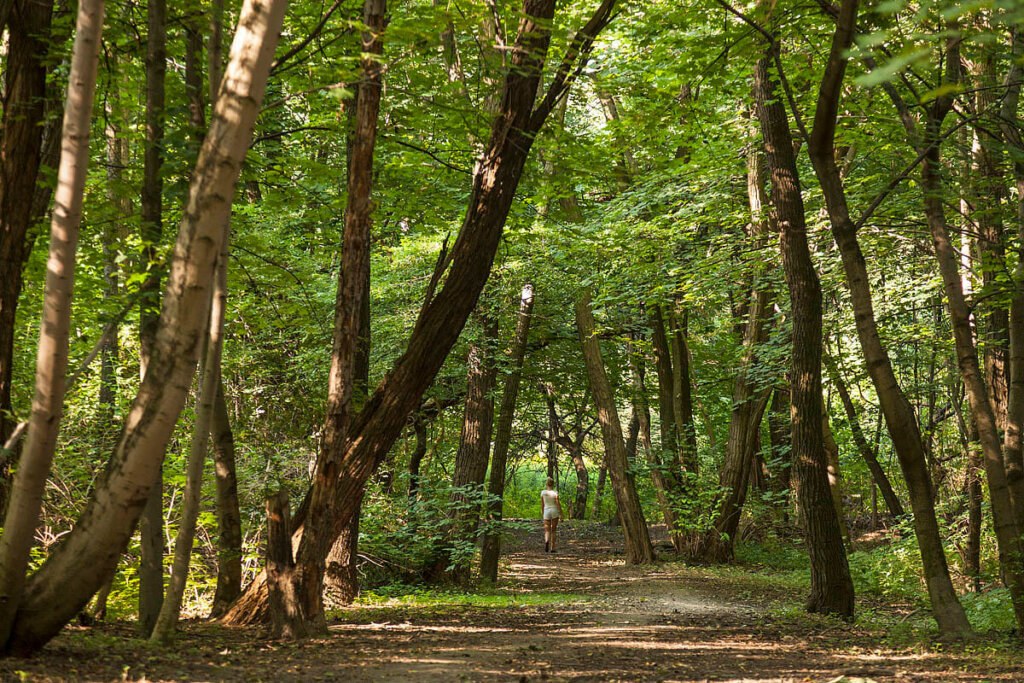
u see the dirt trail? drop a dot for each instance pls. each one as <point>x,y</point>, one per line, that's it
<point>654,623</point>
<point>585,616</point>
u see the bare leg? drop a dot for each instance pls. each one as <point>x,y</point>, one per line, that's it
<point>554,533</point>
<point>547,534</point>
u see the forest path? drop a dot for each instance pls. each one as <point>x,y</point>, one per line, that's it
<point>598,619</point>
<point>578,615</point>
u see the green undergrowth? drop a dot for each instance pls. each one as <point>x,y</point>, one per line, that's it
<point>892,600</point>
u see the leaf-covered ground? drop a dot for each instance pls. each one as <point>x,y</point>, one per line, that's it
<point>578,615</point>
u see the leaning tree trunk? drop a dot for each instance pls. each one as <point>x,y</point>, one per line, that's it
<point>355,263</point>
<point>209,383</point>
<point>491,549</point>
<point>831,585</point>
<point>634,526</point>
<point>878,474</point>
<point>466,267</point>
<point>88,555</point>
<point>52,357</point>
<point>151,526</point>
<point>896,409</point>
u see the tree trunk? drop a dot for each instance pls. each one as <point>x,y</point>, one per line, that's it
<point>471,456</point>
<point>835,477</point>
<point>748,399</point>
<point>286,617</point>
<point>341,578</point>
<point>341,573</point>
<point>117,154</point>
<point>831,585</point>
<point>986,193</point>
<point>52,357</point>
<point>355,262</point>
<point>578,508</point>
<point>209,383</point>
<point>779,435</point>
<point>1010,127</point>
<point>892,501</point>
<point>420,426</point>
<point>467,266</point>
<point>151,527</point>
<point>899,414</point>
<point>975,500</point>
<point>666,406</point>
<point>602,476</point>
<point>24,98</point>
<point>491,549</point>
<point>229,516</point>
<point>666,483</point>
<point>88,555</point>
<point>682,394</point>
<point>634,526</point>
<point>1003,516</point>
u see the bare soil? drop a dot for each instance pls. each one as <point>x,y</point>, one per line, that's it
<point>609,622</point>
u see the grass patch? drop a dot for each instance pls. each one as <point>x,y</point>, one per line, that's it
<point>413,596</point>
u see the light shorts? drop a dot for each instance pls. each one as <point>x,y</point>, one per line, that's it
<point>551,513</point>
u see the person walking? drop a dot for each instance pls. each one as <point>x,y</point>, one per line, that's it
<point>551,512</point>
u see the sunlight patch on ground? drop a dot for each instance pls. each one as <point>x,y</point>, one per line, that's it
<point>876,657</point>
<point>406,626</point>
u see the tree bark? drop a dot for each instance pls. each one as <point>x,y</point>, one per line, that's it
<point>899,414</point>
<point>88,555</point>
<point>491,548</point>
<point>634,526</point>
<point>831,585</point>
<point>467,266</point>
<point>341,571</point>
<point>52,356</point>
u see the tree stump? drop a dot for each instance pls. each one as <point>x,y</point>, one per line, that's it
<point>286,616</point>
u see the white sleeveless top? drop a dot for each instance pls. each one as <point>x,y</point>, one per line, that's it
<point>550,499</point>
